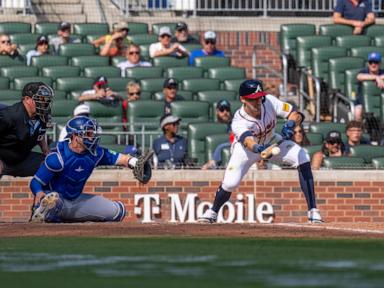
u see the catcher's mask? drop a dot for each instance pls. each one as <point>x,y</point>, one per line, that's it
<point>87,129</point>
<point>42,95</point>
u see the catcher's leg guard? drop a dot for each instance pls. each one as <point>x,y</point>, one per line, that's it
<point>48,209</point>
<point>121,213</point>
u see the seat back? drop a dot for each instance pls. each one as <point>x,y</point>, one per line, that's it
<point>146,112</point>
<point>139,73</point>
<point>212,62</point>
<point>374,30</point>
<point>137,28</point>
<point>367,152</point>
<point>214,96</point>
<point>49,60</point>
<point>118,83</point>
<point>19,83</point>
<point>143,39</point>
<point>152,84</point>
<point>289,33</point>
<point>379,41</point>
<point>196,85</point>
<point>8,95</point>
<point>320,59</point>
<point>55,72</point>
<point>24,38</point>
<point>363,51</point>
<point>378,163</point>
<point>110,116</point>
<point>312,149</point>
<point>62,110</point>
<point>212,141</point>
<point>304,45</point>
<point>182,73</point>
<point>337,67</point>
<point>4,83</point>
<point>315,138</point>
<point>18,71</point>
<point>107,71</point>
<point>190,112</point>
<point>166,62</point>
<point>233,85</point>
<point>353,41</point>
<point>226,73</point>
<point>69,84</point>
<point>351,83</point>
<point>46,28</point>
<point>89,61</point>
<point>75,49</point>
<point>325,127</point>
<point>335,30</point>
<point>344,162</point>
<point>372,98</point>
<point>6,61</point>
<point>91,28</point>
<point>15,27</point>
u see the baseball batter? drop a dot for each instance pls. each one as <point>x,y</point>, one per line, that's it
<point>59,182</point>
<point>254,128</point>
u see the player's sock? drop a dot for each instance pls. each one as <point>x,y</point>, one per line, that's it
<point>307,185</point>
<point>221,197</point>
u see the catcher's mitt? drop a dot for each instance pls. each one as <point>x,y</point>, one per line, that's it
<point>142,170</point>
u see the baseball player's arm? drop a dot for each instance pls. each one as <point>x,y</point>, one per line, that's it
<point>296,116</point>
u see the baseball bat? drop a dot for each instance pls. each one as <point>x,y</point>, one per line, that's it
<point>267,153</point>
<point>311,94</point>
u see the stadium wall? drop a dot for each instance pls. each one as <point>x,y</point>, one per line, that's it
<point>343,195</point>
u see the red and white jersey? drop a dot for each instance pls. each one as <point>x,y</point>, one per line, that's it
<point>263,129</point>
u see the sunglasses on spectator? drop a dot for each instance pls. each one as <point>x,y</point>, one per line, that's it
<point>134,93</point>
<point>6,41</point>
<point>222,109</point>
<point>172,87</point>
<point>134,52</point>
<point>333,142</point>
<point>181,30</point>
<point>213,42</point>
<point>373,62</point>
<point>125,30</point>
<point>165,35</point>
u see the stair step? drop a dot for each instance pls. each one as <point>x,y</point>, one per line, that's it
<point>74,18</point>
<point>68,2</point>
<point>59,9</point>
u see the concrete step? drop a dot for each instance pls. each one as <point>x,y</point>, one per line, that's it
<point>74,18</point>
<point>68,2</point>
<point>59,9</point>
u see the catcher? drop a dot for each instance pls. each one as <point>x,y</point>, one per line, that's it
<point>59,182</point>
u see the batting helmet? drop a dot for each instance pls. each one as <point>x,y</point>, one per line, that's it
<point>87,128</point>
<point>251,89</point>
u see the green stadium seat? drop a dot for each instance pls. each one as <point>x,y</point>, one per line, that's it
<point>315,138</point>
<point>374,30</point>
<point>91,38</point>
<point>24,48</point>
<point>378,163</point>
<point>46,28</point>
<point>186,95</point>
<point>337,68</point>
<point>226,73</point>
<point>182,73</point>
<point>60,71</point>
<point>118,83</point>
<point>90,28</point>
<point>69,84</point>
<point>19,71</point>
<point>367,152</point>
<point>379,41</point>
<point>192,47</point>
<point>89,61</point>
<point>115,147</point>
<point>312,149</point>
<point>4,83</point>
<point>233,85</point>
<point>137,28</point>
<point>335,30</point>
<point>62,110</point>
<point>60,95</point>
<point>344,162</point>
<point>190,112</point>
<point>289,33</point>
<point>197,133</point>
<point>144,72</point>
<point>49,60</point>
<point>320,60</point>
<point>107,139</point>
<point>109,117</point>
<point>15,27</point>
<point>351,83</point>
<point>215,96</point>
<point>197,85</point>
<point>372,98</point>
<point>353,41</point>
<point>363,51</point>
<point>143,39</point>
<point>117,60</point>
<point>19,83</point>
<point>24,38</point>
<point>6,61</point>
<point>225,156</point>
<point>156,27</point>
<point>77,38</point>
<point>212,141</point>
<point>304,47</point>
<point>8,95</point>
<point>167,62</point>
<point>145,52</point>
<point>325,127</point>
<point>107,71</point>
<point>212,62</point>
<point>152,85</point>
<point>73,50</point>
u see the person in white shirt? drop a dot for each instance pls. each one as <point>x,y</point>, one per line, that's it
<point>42,47</point>
<point>80,110</point>
<point>101,92</point>
<point>164,47</point>
<point>133,59</point>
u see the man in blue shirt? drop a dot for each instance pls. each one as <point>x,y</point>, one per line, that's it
<point>356,13</point>
<point>209,48</point>
<point>171,150</point>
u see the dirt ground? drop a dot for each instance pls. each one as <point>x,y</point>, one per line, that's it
<point>328,230</point>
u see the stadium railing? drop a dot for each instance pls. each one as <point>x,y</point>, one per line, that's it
<point>23,5</point>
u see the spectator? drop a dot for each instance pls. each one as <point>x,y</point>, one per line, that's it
<point>80,110</point>
<point>101,92</point>
<point>171,150</point>
<point>333,146</point>
<point>209,48</point>
<point>41,48</point>
<point>182,35</point>
<point>64,36</point>
<point>356,13</point>
<point>22,126</point>
<point>370,73</point>
<point>133,94</point>
<point>164,47</point>
<point>6,46</point>
<point>300,137</point>
<point>133,59</point>
<point>354,131</point>
<point>223,115</point>
<point>116,43</point>
<point>170,88</point>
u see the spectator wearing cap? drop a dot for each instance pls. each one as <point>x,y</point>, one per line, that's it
<point>64,36</point>
<point>164,47</point>
<point>354,131</point>
<point>41,48</point>
<point>133,94</point>
<point>355,13</point>
<point>171,149</point>
<point>101,92</point>
<point>223,115</point>
<point>370,73</point>
<point>80,110</point>
<point>7,48</point>
<point>133,55</point>
<point>115,44</point>
<point>333,146</point>
<point>170,88</point>
<point>209,48</point>
<point>182,35</point>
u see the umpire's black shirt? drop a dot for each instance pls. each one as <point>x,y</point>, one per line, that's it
<point>18,134</point>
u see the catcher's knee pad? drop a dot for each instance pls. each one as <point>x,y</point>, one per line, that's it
<point>48,209</point>
<point>120,213</point>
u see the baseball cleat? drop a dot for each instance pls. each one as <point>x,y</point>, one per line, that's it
<point>48,209</point>
<point>209,216</point>
<point>314,216</point>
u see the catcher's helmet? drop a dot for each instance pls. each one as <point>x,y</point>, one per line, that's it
<point>42,95</point>
<point>88,129</point>
<point>251,89</point>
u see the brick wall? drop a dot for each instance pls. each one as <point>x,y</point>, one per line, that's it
<point>343,196</point>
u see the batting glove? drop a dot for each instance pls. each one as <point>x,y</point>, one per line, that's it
<point>258,148</point>
<point>288,129</point>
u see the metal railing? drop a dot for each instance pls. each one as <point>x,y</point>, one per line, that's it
<point>23,5</point>
<point>265,7</point>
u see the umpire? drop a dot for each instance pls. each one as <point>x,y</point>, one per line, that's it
<point>22,126</point>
